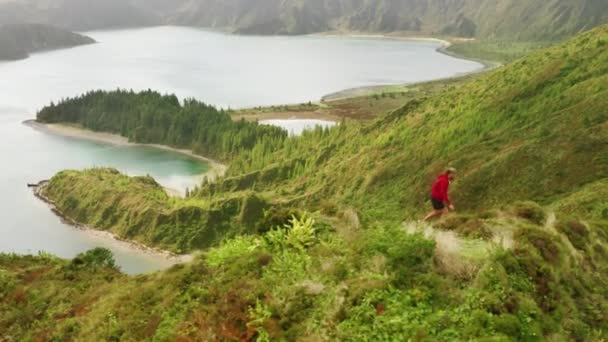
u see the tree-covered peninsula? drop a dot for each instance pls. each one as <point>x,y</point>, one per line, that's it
<point>150,117</point>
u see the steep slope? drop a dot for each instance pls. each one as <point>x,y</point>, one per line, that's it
<point>535,129</point>
<point>505,20</point>
<point>331,280</point>
<point>512,19</point>
<point>500,269</point>
<point>138,209</point>
<point>18,40</point>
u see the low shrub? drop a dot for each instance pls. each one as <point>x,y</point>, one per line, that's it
<point>545,243</point>
<point>453,222</point>
<point>7,283</point>
<point>530,211</point>
<point>230,250</point>
<point>328,207</point>
<point>475,229</point>
<point>546,287</point>
<point>407,254</point>
<point>507,324</point>
<point>97,257</point>
<point>488,214</point>
<point>466,225</point>
<point>252,210</point>
<point>276,217</point>
<point>577,232</point>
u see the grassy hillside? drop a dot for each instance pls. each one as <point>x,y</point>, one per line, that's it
<point>353,263</point>
<point>534,129</point>
<point>18,41</point>
<point>497,51</point>
<point>528,277</point>
<point>139,209</point>
<point>360,104</point>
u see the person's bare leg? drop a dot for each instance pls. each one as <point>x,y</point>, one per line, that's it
<point>432,214</point>
<point>435,213</point>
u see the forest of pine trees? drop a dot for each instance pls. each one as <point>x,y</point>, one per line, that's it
<point>150,117</point>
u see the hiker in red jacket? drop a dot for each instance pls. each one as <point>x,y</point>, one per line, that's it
<point>439,194</point>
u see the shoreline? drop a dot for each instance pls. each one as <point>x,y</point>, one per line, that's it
<point>370,90</point>
<point>170,256</point>
<point>350,93</point>
<point>444,43</point>
<point>216,169</point>
<point>487,65</point>
<point>443,49</point>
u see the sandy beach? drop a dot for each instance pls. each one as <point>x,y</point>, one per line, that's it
<point>397,36</point>
<point>216,169</point>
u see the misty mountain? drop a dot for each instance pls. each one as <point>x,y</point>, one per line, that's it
<point>504,19</point>
<point>18,40</point>
<point>77,15</point>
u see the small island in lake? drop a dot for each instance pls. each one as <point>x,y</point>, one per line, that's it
<point>17,41</point>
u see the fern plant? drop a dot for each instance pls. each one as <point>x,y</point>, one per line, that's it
<point>298,233</point>
<point>301,233</point>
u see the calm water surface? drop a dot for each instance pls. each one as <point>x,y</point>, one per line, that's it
<point>224,70</point>
<point>28,225</point>
<point>297,126</point>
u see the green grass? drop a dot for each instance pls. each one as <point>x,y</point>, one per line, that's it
<point>137,208</point>
<point>307,280</point>
<point>530,142</point>
<point>496,51</point>
<point>526,131</point>
<point>361,104</point>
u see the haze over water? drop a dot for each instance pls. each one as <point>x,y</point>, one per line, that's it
<point>220,69</point>
<point>224,70</point>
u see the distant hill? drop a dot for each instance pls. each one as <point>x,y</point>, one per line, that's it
<point>77,15</point>
<point>18,40</point>
<point>505,20</point>
<point>509,19</point>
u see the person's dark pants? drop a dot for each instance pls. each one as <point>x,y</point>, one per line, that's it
<point>437,205</point>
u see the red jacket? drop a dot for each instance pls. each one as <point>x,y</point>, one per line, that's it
<point>440,189</point>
